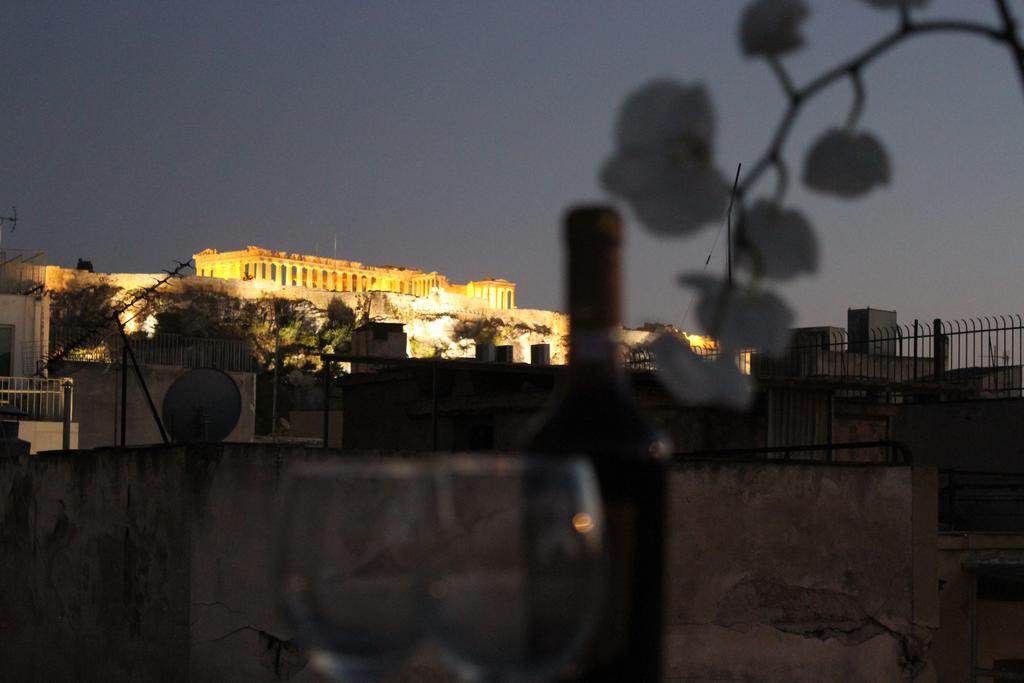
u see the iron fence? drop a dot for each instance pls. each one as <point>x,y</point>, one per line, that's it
<point>104,346</point>
<point>971,358</point>
<point>39,398</point>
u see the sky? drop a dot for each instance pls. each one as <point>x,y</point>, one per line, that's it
<point>452,136</point>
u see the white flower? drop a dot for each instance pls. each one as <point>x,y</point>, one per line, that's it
<point>777,243</point>
<point>892,4</point>
<point>846,163</point>
<point>741,317</point>
<point>662,164</point>
<point>692,379</point>
<point>772,27</point>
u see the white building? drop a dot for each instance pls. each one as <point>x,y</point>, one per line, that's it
<point>24,345</point>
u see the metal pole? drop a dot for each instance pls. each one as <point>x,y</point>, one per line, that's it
<point>728,223</point>
<point>124,389</point>
<point>327,398</point>
<point>938,350</point>
<point>433,405</point>
<point>916,332</point>
<point>145,389</point>
<point>273,389</point>
<point>66,435</point>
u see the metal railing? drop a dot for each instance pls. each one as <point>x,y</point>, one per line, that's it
<point>861,452</point>
<point>104,346</point>
<point>38,398</point>
<point>972,358</point>
<point>21,272</point>
<point>981,501</point>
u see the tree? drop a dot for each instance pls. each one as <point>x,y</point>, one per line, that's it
<point>86,306</point>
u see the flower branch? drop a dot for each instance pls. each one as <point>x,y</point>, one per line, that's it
<point>798,97</point>
<point>1010,37</point>
<point>663,166</point>
<point>784,80</point>
<point>858,98</point>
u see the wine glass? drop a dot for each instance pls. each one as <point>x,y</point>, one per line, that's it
<point>350,565</point>
<point>518,570</point>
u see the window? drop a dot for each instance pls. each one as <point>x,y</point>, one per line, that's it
<point>6,345</point>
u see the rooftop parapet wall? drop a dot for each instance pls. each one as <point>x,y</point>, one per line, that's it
<point>154,564</point>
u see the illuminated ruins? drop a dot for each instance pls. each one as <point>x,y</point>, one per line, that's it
<point>336,275</point>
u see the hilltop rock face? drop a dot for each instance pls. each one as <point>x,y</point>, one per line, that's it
<point>442,323</point>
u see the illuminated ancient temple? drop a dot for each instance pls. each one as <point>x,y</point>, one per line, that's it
<point>336,275</point>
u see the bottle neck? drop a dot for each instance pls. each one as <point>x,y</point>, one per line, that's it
<point>593,238</point>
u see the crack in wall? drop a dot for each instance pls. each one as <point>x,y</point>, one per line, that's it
<point>282,657</point>
<point>816,613</point>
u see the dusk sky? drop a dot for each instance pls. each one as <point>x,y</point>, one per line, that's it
<point>453,135</point>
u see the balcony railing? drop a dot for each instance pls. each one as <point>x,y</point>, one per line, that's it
<point>21,272</point>
<point>38,398</point>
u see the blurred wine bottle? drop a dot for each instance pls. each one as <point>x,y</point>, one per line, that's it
<point>593,413</point>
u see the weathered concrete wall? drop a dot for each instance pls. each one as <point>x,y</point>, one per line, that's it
<point>98,402</point>
<point>800,573</point>
<point>94,575</point>
<point>970,435</point>
<point>999,625</point>
<point>236,633</point>
<point>155,564</point>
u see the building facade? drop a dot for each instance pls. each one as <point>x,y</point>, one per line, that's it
<point>336,275</point>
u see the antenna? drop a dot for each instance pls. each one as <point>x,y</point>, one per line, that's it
<point>728,218</point>
<point>707,261</point>
<point>12,219</point>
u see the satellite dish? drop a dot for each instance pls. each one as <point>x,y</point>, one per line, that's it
<point>202,405</point>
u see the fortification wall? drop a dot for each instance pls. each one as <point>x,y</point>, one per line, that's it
<point>441,320</point>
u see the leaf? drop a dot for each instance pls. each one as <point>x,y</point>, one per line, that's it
<point>662,162</point>
<point>777,243</point>
<point>741,317</point>
<point>772,27</point>
<point>692,379</point>
<point>846,163</point>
